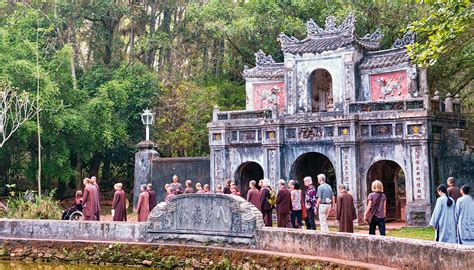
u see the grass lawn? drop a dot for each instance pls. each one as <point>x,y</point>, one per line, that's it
<point>415,233</point>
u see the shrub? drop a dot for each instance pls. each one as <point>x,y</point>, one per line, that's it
<point>28,205</point>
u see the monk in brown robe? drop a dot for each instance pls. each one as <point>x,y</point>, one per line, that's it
<point>88,200</point>
<point>143,207</point>
<point>283,205</point>
<point>152,194</point>
<point>119,206</point>
<point>346,212</point>
<point>253,195</point>
<point>97,195</point>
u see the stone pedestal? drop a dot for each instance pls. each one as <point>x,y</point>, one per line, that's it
<point>418,214</point>
<point>143,167</point>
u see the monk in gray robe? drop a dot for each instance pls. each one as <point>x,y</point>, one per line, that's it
<point>346,212</point>
<point>465,217</point>
<point>119,204</point>
<point>443,217</point>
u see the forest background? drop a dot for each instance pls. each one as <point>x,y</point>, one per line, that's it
<point>98,64</point>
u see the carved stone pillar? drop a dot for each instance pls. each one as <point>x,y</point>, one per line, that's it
<point>143,167</point>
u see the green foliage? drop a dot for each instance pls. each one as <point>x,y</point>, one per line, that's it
<point>28,205</point>
<point>447,25</point>
<point>445,44</point>
<point>102,62</point>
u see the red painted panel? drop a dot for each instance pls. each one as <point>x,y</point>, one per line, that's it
<point>265,95</point>
<point>389,86</point>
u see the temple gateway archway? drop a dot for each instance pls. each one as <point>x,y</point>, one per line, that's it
<point>393,179</point>
<point>312,164</point>
<point>246,172</point>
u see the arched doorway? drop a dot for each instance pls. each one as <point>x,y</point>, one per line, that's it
<point>312,164</point>
<point>320,83</point>
<point>245,173</point>
<point>393,180</point>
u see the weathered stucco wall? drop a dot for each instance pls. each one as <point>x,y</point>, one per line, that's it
<point>389,251</point>
<point>194,168</point>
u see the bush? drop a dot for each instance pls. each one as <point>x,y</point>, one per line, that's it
<point>28,205</point>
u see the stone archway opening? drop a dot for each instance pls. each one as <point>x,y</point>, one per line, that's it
<point>312,164</point>
<point>392,177</point>
<point>320,83</point>
<point>245,173</point>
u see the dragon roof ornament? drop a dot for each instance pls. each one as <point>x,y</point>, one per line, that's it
<point>285,40</point>
<point>407,39</point>
<point>375,36</point>
<point>261,59</point>
<point>346,27</point>
<point>265,68</point>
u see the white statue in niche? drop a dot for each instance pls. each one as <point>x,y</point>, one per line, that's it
<point>321,88</point>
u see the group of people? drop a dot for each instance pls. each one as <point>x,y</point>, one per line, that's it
<point>90,199</point>
<point>293,206</point>
<point>453,215</point>
<point>175,188</point>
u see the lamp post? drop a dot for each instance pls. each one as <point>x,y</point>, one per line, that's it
<point>148,118</point>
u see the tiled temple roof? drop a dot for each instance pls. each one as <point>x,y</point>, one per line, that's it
<point>265,68</point>
<point>394,56</point>
<point>331,37</point>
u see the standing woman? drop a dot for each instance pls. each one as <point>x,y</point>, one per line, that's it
<point>443,219</point>
<point>119,207</point>
<point>143,207</point>
<point>376,208</point>
<point>465,217</point>
<point>296,203</point>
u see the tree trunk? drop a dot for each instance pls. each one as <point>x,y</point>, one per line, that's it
<point>166,28</point>
<point>95,163</point>
<point>205,57</point>
<point>79,173</point>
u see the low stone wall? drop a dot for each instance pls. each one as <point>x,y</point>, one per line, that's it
<point>73,230</point>
<point>389,251</point>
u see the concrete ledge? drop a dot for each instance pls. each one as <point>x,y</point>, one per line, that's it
<point>73,230</point>
<point>389,251</point>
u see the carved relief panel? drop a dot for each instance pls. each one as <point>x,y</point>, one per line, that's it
<point>389,86</point>
<point>268,95</point>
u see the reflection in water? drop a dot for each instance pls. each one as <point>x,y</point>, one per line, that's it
<point>19,265</point>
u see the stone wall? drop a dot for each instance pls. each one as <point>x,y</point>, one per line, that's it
<point>389,251</point>
<point>194,168</point>
<point>72,230</point>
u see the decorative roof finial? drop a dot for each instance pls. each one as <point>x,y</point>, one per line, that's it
<point>261,59</point>
<point>286,40</point>
<point>330,27</point>
<point>408,38</point>
<point>375,36</point>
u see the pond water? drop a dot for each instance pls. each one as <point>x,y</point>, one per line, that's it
<point>19,265</point>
